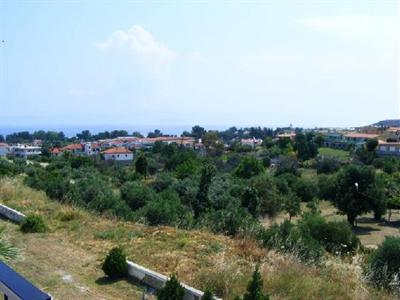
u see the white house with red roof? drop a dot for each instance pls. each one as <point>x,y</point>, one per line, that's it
<point>119,154</point>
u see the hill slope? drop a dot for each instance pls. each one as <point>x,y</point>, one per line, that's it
<point>66,260</point>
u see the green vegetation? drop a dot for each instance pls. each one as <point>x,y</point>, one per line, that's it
<point>33,224</point>
<point>115,265</point>
<point>341,155</point>
<point>172,290</point>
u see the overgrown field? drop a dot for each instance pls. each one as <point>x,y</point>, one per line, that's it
<point>65,261</point>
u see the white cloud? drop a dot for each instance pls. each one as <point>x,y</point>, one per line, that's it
<point>139,42</point>
<point>355,26</point>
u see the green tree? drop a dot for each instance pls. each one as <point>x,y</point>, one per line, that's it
<point>172,290</point>
<point>358,191</point>
<point>254,287</point>
<point>141,165</point>
<point>198,132</point>
<point>136,194</point>
<point>249,167</point>
<point>291,205</point>
<point>202,201</point>
<point>251,201</point>
<point>115,265</point>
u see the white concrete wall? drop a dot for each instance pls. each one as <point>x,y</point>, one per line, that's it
<point>157,280</point>
<point>11,214</point>
<point>119,157</point>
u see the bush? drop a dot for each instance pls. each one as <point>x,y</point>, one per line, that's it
<point>249,167</point>
<point>327,165</point>
<point>255,288</point>
<point>336,237</point>
<point>305,189</point>
<point>383,266</point>
<point>166,209</point>
<point>136,194</point>
<point>172,290</point>
<point>208,295</point>
<point>115,265</point>
<point>288,238</point>
<point>33,223</point>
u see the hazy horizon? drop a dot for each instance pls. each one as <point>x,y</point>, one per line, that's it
<point>262,63</point>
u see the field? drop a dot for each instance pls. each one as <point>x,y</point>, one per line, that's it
<point>66,260</point>
<point>336,153</point>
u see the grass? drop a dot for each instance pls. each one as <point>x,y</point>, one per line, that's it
<point>66,260</point>
<point>336,153</point>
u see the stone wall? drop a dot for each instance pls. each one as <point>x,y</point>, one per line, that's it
<point>157,280</point>
<point>11,214</point>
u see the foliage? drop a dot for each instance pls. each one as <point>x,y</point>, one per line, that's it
<point>208,295</point>
<point>305,189</point>
<point>136,194</point>
<point>7,251</point>
<point>305,146</point>
<point>33,224</point>
<point>172,290</point>
<point>358,191</point>
<point>287,164</point>
<point>249,167</point>
<point>141,165</point>
<point>383,266</point>
<point>268,193</point>
<point>251,201</point>
<point>115,265</point>
<point>327,165</point>
<point>254,287</point>
<point>202,200</point>
<point>291,205</point>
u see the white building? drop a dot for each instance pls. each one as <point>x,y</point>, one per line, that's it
<point>4,149</point>
<point>26,151</point>
<point>119,154</point>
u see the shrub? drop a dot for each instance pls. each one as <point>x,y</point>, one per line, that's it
<point>208,295</point>
<point>305,189</point>
<point>115,265</point>
<point>172,290</point>
<point>336,237</point>
<point>136,194</point>
<point>33,223</point>
<point>249,167</point>
<point>383,267</point>
<point>254,288</point>
<point>327,165</point>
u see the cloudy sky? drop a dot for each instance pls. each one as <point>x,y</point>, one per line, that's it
<point>268,63</point>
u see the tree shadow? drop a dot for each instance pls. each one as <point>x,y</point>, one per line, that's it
<point>364,230</point>
<point>105,280</point>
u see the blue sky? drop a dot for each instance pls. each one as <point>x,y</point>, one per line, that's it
<point>268,63</point>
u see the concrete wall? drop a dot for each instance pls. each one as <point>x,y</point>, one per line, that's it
<point>157,280</point>
<point>11,214</point>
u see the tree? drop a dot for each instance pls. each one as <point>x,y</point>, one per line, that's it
<point>358,191</point>
<point>305,146</point>
<point>198,132</point>
<point>85,135</point>
<point>249,167</point>
<point>136,194</point>
<point>305,189</point>
<point>202,200</point>
<point>172,290</point>
<point>115,265</point>
<point>292,205</point>
<point>141,165</point>
<point>254,287</point>
<point>251,201</point>
<point>154,134</point>
<point>137,134</point>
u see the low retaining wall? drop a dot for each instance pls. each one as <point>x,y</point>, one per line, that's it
<point>157,280</point>
<point>11,214</point>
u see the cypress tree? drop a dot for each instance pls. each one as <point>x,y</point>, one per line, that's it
<point>254,287</point>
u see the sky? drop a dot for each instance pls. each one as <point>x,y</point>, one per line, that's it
<point>243,63</point>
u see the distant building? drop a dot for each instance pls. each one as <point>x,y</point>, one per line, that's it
<point>4,149</point>
<point>287,135</point>
<point>73,148</point>
<point>358,139</point>
<point>251,142</point>
<point>119,154</point>
<point>388,149</point>
<point>26,151</point>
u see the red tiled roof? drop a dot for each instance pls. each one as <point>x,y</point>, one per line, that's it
<point>117,150</point>
<point>72,147</point>
<point>361,135</point>
<point>55,151</point>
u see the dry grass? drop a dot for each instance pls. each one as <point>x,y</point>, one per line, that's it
<point>66,260</point>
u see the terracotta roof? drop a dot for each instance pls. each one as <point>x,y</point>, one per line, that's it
<point>361,135</point>
<point>3,145</point>
<point>72,147</point>
<point>117,150</point>
<point>55,151</point>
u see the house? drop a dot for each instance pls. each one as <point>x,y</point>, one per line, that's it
<point>15,287</point>
<point>73,148</point>
<point>56,152</point>
<point>388,149</point>
<point>287,135</point>
<point>251,142</point>
<point>118,154</point>
<point>26,151</point>
<point>358,139</point>
<point>334,140</point>
<point>4,149</point>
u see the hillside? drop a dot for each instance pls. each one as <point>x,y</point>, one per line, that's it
<point>388,123</point>
<point>66,260</point>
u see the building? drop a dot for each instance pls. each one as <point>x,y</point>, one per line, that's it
<point>4,149</point>
<point>26,151</point>
<point>118,154</point>
<point>251,142</point>
<point>357,140</point>
<point>15,287</point>
<point>334,140</point>
<point>388,149</point>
